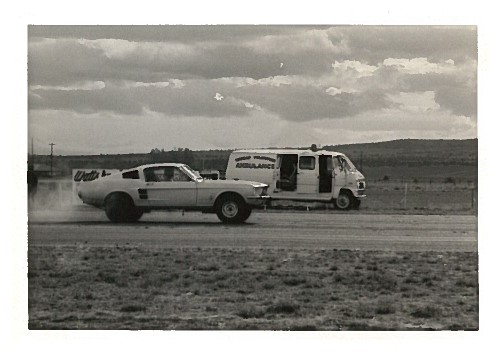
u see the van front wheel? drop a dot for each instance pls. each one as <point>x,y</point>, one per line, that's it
<point>344,201</point>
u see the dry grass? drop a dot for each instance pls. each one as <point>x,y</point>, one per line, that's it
<point>127,287</point>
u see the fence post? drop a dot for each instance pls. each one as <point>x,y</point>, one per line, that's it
<point>472,198</point>
<point>60,191</point>
<point>406,192</point>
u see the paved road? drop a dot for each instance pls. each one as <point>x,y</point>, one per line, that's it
<point>349,230</point>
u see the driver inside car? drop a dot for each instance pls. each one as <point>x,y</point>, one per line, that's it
<point>179,175</point>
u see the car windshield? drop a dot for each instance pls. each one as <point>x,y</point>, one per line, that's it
<point>193,174</point>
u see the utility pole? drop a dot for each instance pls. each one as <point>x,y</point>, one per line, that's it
<point>51,157</point>
<point>32,155</point>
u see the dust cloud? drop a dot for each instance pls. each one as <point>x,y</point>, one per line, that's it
<point>54,201</point>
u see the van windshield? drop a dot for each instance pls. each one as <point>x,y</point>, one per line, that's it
<point>345,161</point>
<point>350,166</point>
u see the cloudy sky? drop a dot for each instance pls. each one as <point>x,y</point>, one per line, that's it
<point>119,89</point>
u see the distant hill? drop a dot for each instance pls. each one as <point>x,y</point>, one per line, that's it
<point>397,159</point>
<point>412,152</point>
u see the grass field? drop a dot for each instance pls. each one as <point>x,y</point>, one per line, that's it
<point>129,287</point>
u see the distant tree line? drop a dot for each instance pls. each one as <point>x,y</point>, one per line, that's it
<point>394,154</point>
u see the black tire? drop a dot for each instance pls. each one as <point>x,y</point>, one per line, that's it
<point>344,201</point>
<point>247,213</point>
<point>232,209</point>
<point>121,208</point>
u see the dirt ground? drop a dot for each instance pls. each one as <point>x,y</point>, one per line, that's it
<point>82,279</point>
<point>135,287</point>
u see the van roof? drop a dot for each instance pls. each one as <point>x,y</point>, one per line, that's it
<point>286,151</point>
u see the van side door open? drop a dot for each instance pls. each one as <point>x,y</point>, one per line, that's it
<point>307,175</point>
<point>325,173</point>
<point>287,173</point>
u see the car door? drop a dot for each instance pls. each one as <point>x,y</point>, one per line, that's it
<point>169,186</point>
<point>307,175</point>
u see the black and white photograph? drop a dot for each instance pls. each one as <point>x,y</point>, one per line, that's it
<point>222,177</point>
<point>253,177</point>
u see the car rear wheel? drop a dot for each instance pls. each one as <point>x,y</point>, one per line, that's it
<point>121,208</point>
<point>232,209</point>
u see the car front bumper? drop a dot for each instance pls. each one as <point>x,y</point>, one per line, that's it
<point>258,200</point>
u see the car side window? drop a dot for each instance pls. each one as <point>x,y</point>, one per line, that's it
<point>134,174</point>
<point>158,174</point>
<point>165,174</point>
<point>180,176</point>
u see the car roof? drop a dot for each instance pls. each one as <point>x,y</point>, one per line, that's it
<point>141,167</point>
<point>160,164</point>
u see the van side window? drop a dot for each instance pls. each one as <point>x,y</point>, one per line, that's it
<point>307,163</point>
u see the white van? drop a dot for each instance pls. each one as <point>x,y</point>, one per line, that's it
<point>301,175</point>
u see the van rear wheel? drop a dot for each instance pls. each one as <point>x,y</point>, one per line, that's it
<point>232,209</point>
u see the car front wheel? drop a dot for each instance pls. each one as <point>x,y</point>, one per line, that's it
<point>232,209</point>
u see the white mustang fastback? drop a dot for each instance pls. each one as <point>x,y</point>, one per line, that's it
<point>127,194</point>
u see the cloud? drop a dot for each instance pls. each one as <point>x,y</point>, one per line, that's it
<point>356,66</point>
<point>162,33</point>
<point>420,65</point>
<point>302,103</point>
<point>415,101</point>
<point>194,99</point>
<point>298,76</point>
<point>85,85</point>
<point>373,44</point>
<point>333,91</point>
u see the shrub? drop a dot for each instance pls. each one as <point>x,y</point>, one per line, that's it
<point>283,308</point>
<point>294,281</point>
<point>208,267</point>
<point>131,308</point>
<point>364,311</point>
<point>251,312</point>
<point>449,180</point>
<point>385,307</point>
<point>426,312</point>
